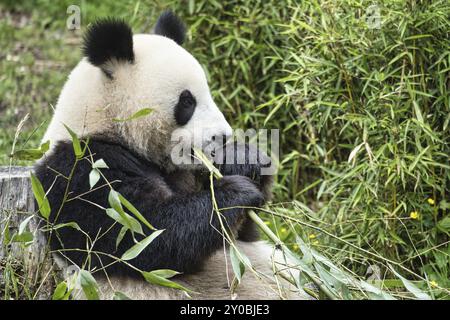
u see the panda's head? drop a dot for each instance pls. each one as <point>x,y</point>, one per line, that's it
<point>123,73</point>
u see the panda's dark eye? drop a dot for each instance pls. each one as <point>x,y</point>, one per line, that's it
<point>187,99</point>
<point>185,107</point>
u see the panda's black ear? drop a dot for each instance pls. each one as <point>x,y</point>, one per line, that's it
<point>106,40</point>
<point>170,26</point>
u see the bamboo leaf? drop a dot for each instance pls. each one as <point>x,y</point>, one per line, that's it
<point>141,113</point>
<point>88,284</point>
<point>135,211</point>
<point>41,198</point>
<point>120,296</point>
<point>165,273</point>
<point>155,278</point>
<point>120,236</point>
<point>135,250</point>
<point>419,294</point>
<point>236,263</point>
<point>125,220</point>
<point>100,164</point>
<point>23,225</point>
<point>444,224</point>
<point>32,154</point>
<point>94,177</point>
<point>354,152</point>
<point>24,237</point>
<point>75,142</point>
<point>60,291</point>
<point>73,225</point>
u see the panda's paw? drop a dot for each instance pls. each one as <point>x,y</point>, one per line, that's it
<point>240,191</point>
<point>246,160</point>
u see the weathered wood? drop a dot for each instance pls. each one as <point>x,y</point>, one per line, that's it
<point>17,204</point>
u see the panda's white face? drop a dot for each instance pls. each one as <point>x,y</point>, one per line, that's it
<point>123,75</point>
<point>169,80</point>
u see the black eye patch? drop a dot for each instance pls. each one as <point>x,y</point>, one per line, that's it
<point>185,108</point>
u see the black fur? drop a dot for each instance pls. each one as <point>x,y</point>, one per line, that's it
<point>170,26</point>
<point>108,39</point>
<point>166,203</point>
<point>185,108</point>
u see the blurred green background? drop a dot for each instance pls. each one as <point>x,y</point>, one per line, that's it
<point>362,104</point>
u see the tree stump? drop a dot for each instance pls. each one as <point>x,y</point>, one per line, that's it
<point>26,262</point>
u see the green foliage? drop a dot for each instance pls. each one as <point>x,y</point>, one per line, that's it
<point>135,250</point>
<point>32,154</point>
<point>141,113</point>
<point>160,278</point>
<point>366,113</point>
<point>88,284</point>
<point>41,198</point>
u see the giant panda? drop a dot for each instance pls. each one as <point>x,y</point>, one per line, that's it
<point>120,74</point>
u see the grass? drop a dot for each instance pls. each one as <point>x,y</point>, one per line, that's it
<point>364,113</point>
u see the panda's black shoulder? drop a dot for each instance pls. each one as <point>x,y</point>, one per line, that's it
<point>121,162</point>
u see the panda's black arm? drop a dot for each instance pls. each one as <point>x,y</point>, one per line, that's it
<point>192,230</point>
<point>189,237</point>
